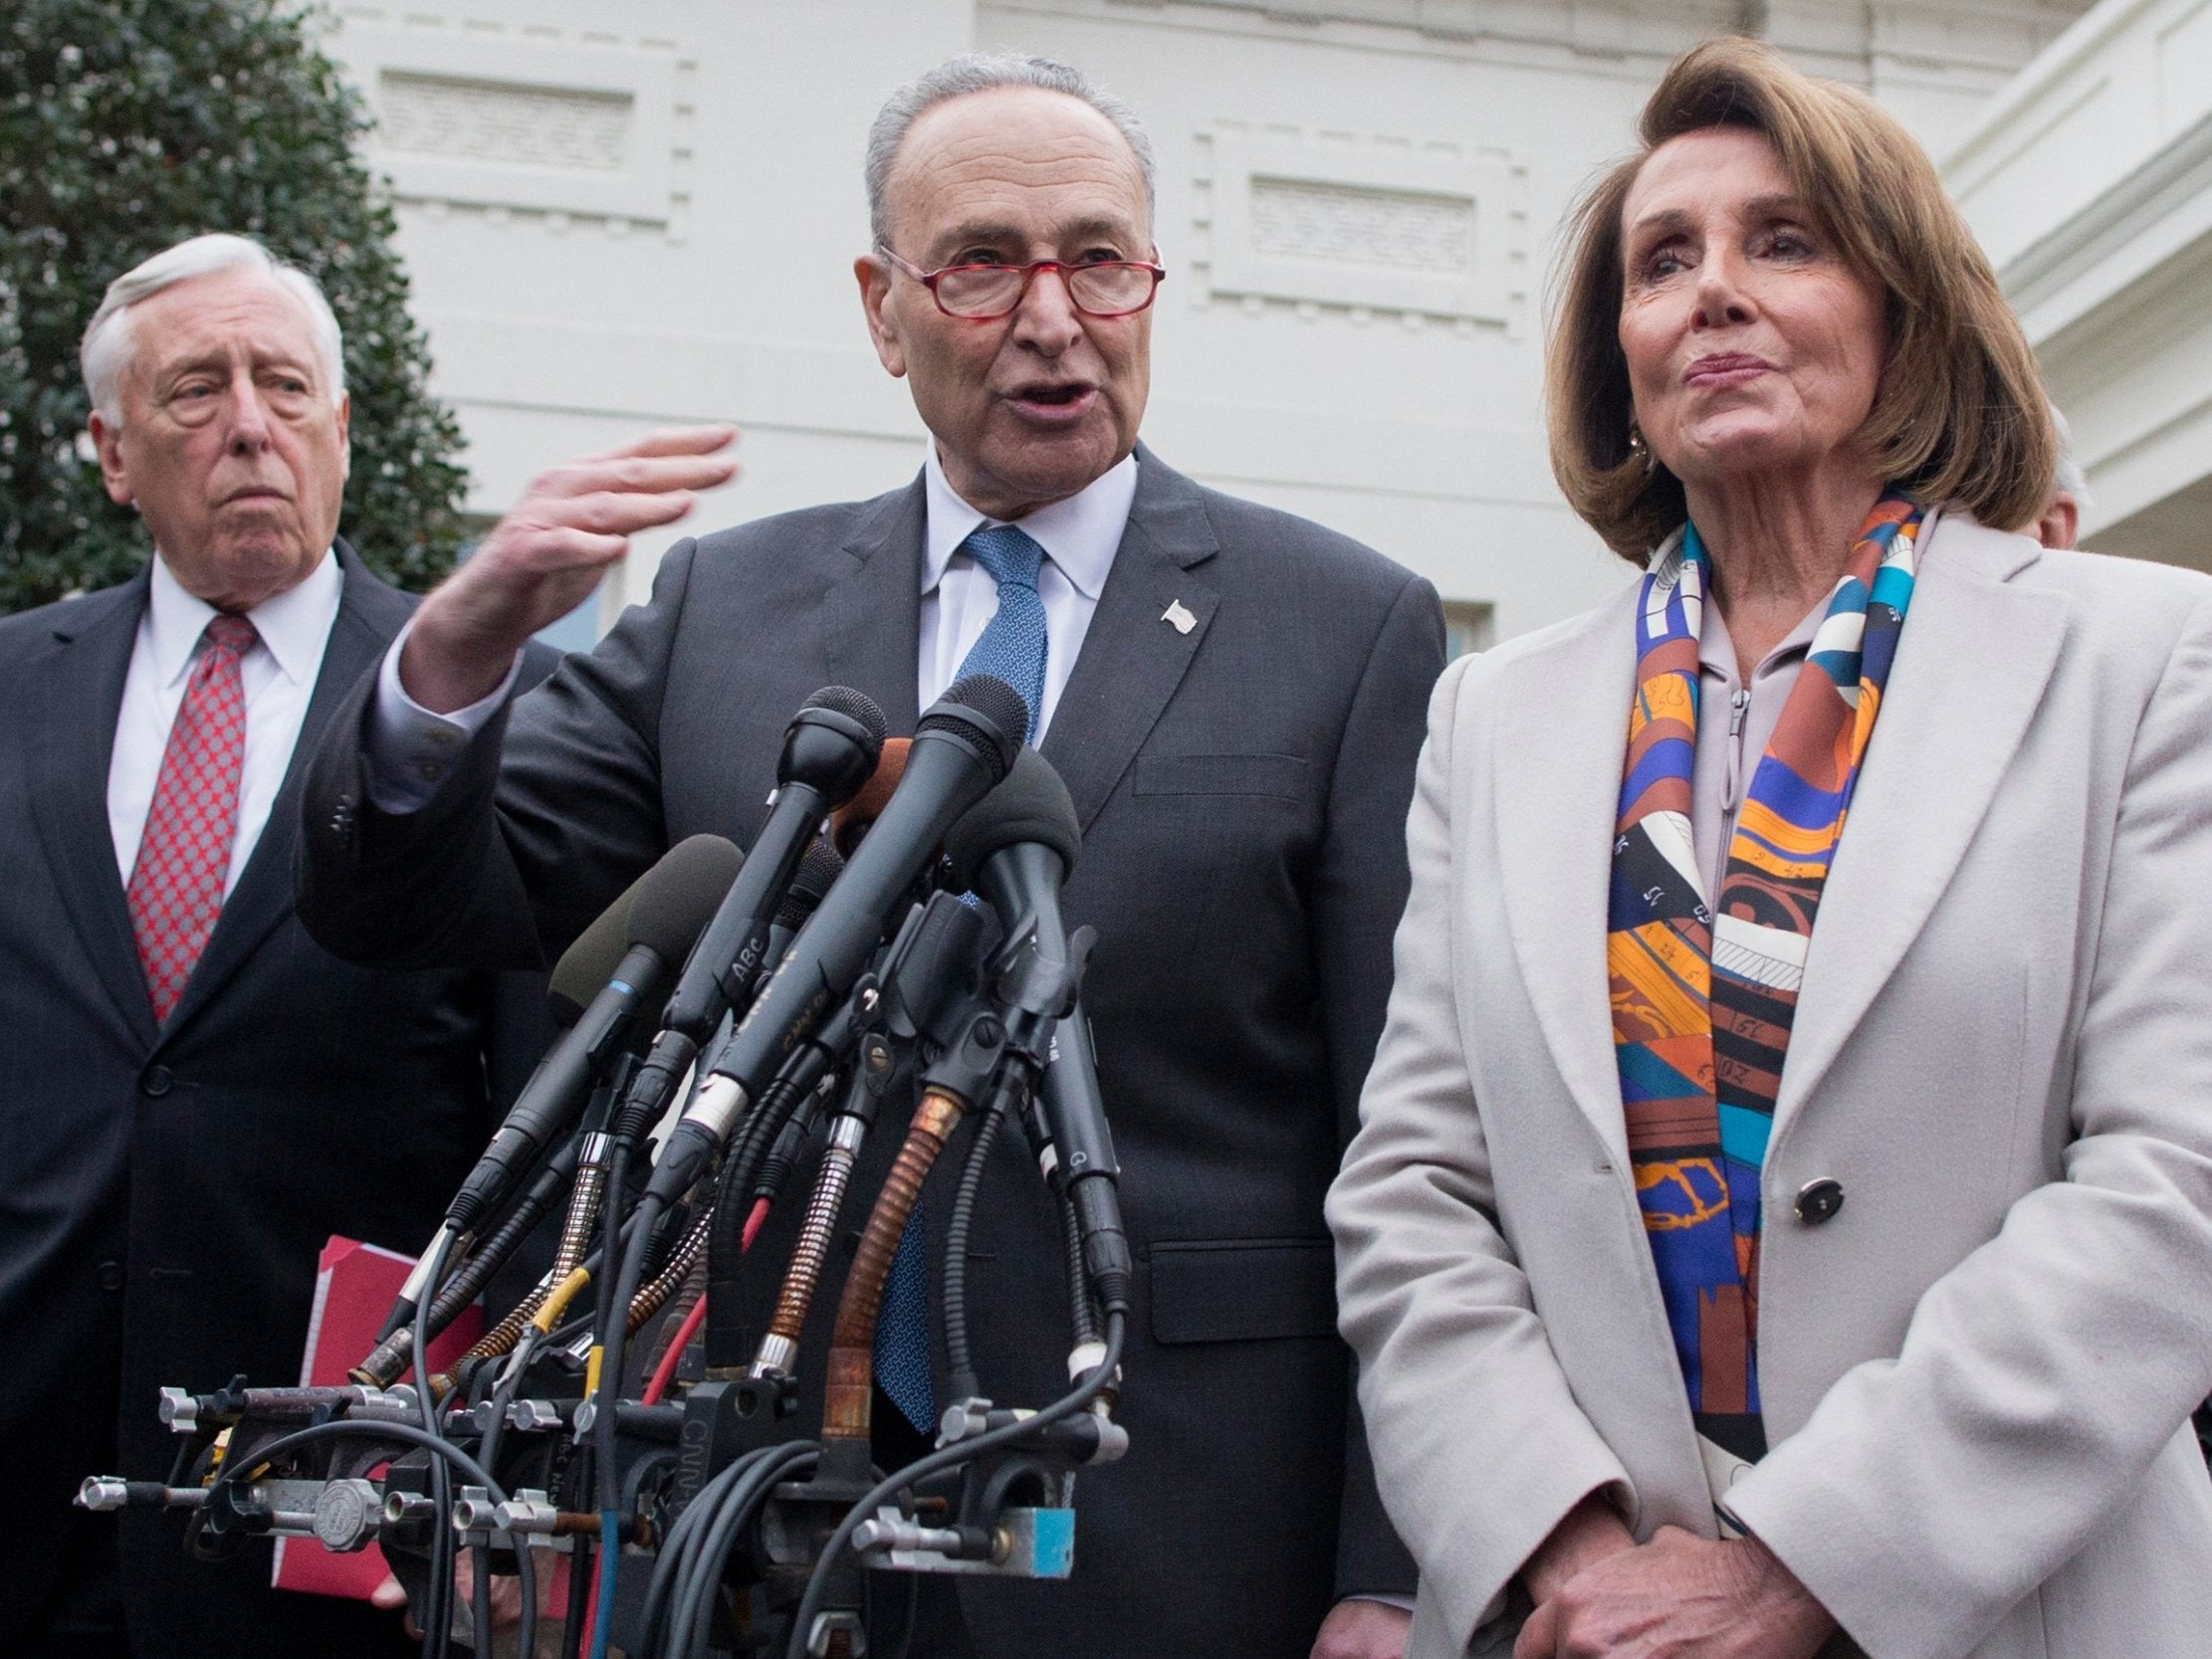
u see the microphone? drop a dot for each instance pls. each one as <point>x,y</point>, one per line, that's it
<point>1016,847</point>
<point>830,752</point>
<point>858,816</point>
<point>965,745</point>
<point>818,868</point>
<point>617,964</point>
<point>661,914</point>
<point>590,959</point>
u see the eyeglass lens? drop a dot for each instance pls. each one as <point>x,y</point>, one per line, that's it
<point>991,291</point>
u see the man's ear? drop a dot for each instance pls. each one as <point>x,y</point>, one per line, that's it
<point>112,473</point>
<point>345,434</point>
<point>874,276</point>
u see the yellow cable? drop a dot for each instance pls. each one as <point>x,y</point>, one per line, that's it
<point>556,1304</point>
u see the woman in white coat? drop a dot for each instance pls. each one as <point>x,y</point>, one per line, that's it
<point>1768,1237</point>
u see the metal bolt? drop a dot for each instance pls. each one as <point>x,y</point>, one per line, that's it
<point>181,1411</point>
<point>472,1511</point>
<point>534,1416</point>
<point>346,1515</point>
<point>103,1494</point>
<point>529,1510</point>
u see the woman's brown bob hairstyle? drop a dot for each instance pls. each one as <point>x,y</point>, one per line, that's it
<point>1960,417</point>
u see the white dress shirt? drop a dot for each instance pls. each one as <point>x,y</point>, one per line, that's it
<point>409,749</point>
<point>960,597</point>
<point>278,672</point>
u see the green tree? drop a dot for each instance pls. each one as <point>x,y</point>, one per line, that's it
<point>127,126</point>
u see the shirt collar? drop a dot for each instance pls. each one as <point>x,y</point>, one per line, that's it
<point>1079,534</point>
<point>294,624</point>
<point>1716,648</point>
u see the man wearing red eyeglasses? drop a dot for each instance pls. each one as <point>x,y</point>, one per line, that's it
<point>1236,699</point>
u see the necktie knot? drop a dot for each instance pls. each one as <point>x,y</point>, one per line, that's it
<point>1007,552</point>
<point>231,633</point>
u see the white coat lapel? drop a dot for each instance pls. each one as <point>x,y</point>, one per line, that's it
<point>1560,737</point>
<point>1969,676</point>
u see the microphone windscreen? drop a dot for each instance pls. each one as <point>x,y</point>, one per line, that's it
<point>858,706</point>
<point>679,895</point>
<point>591,958</point>
<point>850,822</point>
<point>1005,723</point>
<point>1030,805</point>
<point>817,868</point>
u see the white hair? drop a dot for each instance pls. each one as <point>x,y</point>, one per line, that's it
<point>2066,476</point>
<point>984,72</point>
<point>108,344</point>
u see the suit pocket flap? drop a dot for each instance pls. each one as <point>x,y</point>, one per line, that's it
<point>1280,775</point>
<point>1243,1290</point>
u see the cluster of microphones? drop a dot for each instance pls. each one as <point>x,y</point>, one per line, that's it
<point>895,934</point>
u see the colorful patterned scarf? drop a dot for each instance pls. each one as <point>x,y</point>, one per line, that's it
<point>1700,1106</point>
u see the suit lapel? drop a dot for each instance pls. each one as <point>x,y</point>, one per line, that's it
<point>71,737</point>
<point>1132,658</point>
<point>369,616</point>
<point>871,611</point>
<point>1558,743</point>
<point>1971,671</point>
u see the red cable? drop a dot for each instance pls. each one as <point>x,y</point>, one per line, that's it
<point>752,1224</point>
<point>665,1372</point>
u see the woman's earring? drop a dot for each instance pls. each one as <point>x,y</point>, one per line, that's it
<point>1638,447</point>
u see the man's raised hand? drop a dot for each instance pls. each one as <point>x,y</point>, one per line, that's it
<point>542,560</point>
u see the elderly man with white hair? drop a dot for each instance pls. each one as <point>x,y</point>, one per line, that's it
<point>196,1095</point>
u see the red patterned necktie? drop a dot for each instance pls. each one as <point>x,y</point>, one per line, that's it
<point>176,887</point>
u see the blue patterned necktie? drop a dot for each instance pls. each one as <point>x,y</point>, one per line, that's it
<point>1013,647</point>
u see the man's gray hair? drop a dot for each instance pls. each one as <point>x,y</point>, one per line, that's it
<point>2066,476</point>
<point>984,72</point>
<point>108,342</point>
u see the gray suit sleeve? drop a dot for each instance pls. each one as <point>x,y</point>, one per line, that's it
<point>548,812</point>
<point>1360,892</point>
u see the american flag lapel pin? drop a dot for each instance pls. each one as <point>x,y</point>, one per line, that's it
<point>1176,617</point>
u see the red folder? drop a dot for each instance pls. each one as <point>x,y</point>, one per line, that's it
<point>355,1286</point>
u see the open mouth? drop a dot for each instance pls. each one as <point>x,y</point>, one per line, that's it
<point>1055,397</point>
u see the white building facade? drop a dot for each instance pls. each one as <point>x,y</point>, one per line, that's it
<point>623,217</point>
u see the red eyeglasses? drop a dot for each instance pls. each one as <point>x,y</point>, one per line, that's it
<point>982,293</point>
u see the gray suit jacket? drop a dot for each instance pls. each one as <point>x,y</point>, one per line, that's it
<point>1241,787</point>
<point>1977,1376</point>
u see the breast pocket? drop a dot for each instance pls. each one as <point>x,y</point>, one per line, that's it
<point>1243,1290</point>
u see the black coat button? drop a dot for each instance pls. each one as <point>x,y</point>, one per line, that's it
<point>110,1276</point>
<point>158,1081</point>
<point>1818,1201</point>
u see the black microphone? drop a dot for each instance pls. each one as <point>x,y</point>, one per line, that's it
<point>829,752</point>
<point>818,869</point>
<point>965,745</point>
<point>611,968</point>
<point>664,912</point>
<point>1016,847</point>
<point>590,959</point>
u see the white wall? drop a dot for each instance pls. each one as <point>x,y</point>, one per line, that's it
<point>2089,182</point>
<point>615,219</point>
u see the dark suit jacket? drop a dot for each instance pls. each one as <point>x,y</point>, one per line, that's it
<point>1243,789</point>
<point>166,1191</point>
